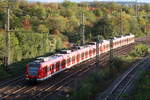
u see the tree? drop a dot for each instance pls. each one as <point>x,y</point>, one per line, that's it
<point>68,4</point>
<point>104,27</point>
<point>42,28</point>
<point>2,47</point>
<point>26,23</point>
<point>56,23</point>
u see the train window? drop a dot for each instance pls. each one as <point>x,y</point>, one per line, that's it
<point>106,46</point>
<point>73,59</point>
<point>46,69</point>
<point>68,60</point>
<point>63,63</point>
<point>94,50</point>
<point>50,68</point>
<point>82,55</point>
<point>53,67</point>
<point>87,53</point>
<point>57,64</point>
<point>35,65</point>
<point>90,52</point>
<point>100,48</point>
<point>33,68</point>
<point>78,56</point>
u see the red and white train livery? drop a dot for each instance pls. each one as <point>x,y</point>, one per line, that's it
<point>45,67</point>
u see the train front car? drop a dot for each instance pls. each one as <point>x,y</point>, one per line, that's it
<point>32,71</point>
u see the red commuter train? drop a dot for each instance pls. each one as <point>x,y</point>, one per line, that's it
<point>45,67</point>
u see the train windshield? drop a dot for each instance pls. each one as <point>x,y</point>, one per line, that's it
<point>33,69</point>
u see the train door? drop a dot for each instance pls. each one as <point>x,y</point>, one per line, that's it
<point>94,52</point>
<point>63,64</point>
<point>73,59</point>
<point>69,61</point>
<point>107,47</point>
<point>48,70</point>
<point>52,68</point>
<point>82,56</point>
<point>104,47</point>
<point>100,48</point>
<point>44,71</point>
<point>58,66</point>
<point>78,58</point>
<point>90,53</point>
<point>86,54</point>
<point>116,44</point>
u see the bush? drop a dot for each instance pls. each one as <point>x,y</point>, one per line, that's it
<point>88,87</point>
<point>118,62</point>
<point>139,50</point>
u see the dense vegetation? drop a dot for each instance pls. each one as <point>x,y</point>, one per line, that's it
<point>39,28</point>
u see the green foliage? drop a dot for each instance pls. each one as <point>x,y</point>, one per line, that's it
<point>64,22</point>
<point>88,87</point>
<point>98,12</point>
<point>65,18</point>
<point>42,28</point>
<point>29,45</point>
<point>68,4</point>
<point>2,47</point>
<point>3,74</point>
<point>118,63</point>
<point>103,27</point>
<point>140,50</point>
<point>56,23</point>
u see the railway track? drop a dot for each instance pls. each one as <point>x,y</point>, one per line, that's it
<point>120,86</point>
<point>13,80</point>
<point>24,90</point>
<point>48,91</point>
<point>18,88</point>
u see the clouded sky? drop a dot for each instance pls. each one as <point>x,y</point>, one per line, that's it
<point>148,1</point>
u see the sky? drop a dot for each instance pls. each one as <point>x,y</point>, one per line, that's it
<point>147,1</point>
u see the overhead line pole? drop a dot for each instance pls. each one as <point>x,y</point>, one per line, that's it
<point>136,7</point>
<point>83,29</point>
<point>121,22</point>
<point>7,28</point>
<point>97,52</point>
<point>111,57</point>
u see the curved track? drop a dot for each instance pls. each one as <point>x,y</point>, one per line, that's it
<point>121,85</point>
